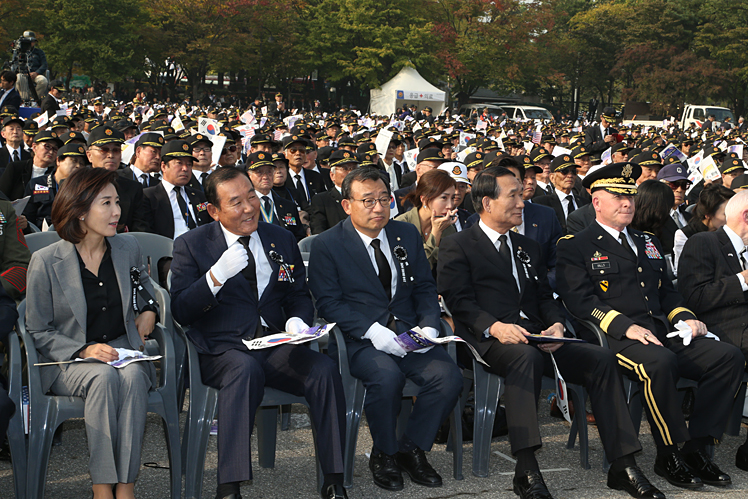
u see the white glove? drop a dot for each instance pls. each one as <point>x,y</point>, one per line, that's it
<point>431,333</point>
<point>684,331</point>
<point>295,325</point>
<point>231,263</point>
<point>383,340</point>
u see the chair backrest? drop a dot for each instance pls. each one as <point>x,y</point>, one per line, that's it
<point>305,245</point>
<point>34,229</point>
<point>153,247</point>
<point>38,240</point>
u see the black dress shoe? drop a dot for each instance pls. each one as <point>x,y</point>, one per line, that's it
<point>419,470</point>
<point>530,485</point>
<point>385,471</point>
<point>674,469</point>
<point>704,468</point>
<point>632,480</point>
<point>336,491</point>
<point>741,458</point>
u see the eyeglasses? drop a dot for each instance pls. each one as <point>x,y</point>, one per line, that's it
<point>201,149</point>
<point>371,202</point>
<point>49,147</point>
<point>108,150</point>
<point>567,171</point>
<point>681,184</point>
<point>229,149</point>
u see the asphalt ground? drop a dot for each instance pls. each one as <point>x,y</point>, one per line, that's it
<point>294,472</point>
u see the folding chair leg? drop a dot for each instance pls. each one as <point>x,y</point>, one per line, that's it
<point>487,393</point>
<point>267,430</point>
<point>196,435</point>
<point>353,420</point>
<point>40,446</point>
<point>579,426</point>
<point>171,429</point>
<point>455,438</point>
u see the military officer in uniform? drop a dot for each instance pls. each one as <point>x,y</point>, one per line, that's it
<point>616,278</point>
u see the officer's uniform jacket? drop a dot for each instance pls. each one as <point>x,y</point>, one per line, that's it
<point>603,282</point>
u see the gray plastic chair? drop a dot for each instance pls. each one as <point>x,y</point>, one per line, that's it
<point>202,409</point>
<point>47,412</point>
<point>355,393</point>
<point>33,228</point>
<point>305,245</point>
<point>489,388</point>
<point>153,247</point>
<point>16,435</point>
<point>38,240</point>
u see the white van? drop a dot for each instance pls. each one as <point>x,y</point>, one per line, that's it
<point>493,110</point>
<point>695,113</point>
<point>520,113</point>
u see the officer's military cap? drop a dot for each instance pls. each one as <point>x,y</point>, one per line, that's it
<point>539,153</point>
<point>258,159</point>
<point>429,142</point>
<point>59,122</point>
<point>527,163</point>
<point>12,119</point>
<point>176,149</point>
<point>548,139</point>
<point>562,162</point>
<point>105,135</point>
<point>490,145</point>
<point>72,136</point>
<point>739,183</point>
<point>47,136</point>
<point>474,160</point>
<point>616,178</point>
<point>151,139</point>
<point>341,157</point>
<point>8,111</point>
<point>579,152</point>
<point>647,158</point>
<point>197,138</point>
<point>621,147</point>
<point>730,164</point>
<point>366,147</point>
<point>293,139</point>
<point>276,156</point>
<point>260,138</point>
<point>30,128</point>
<point>71,150</point>
<point>123,125</point>
<point>430,154</point>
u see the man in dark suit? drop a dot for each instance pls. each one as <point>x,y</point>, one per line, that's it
<point>580,219</point>
<point>563,200</point>
<point>12,150</point>
<point>616,278</point>
<point>17,174</point>
<point>273,208</point>
<point>9,95</point>
<point>712,277</point>
<point>357,283</point>
<point>51,102</point>
<point>146,169</point>
<point>105,151</point>
<point>302,183</point>
<point>172,208</point>
<point>494,282</point>
<point>237,279</point>
<point>598,138</point>
<point>326,209</point>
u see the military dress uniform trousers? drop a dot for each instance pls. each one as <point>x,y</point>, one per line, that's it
<point>523,367</point>
<point>717,366</point>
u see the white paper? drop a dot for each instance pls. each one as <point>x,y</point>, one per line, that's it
<point>383,142</point>
<point>218,142</point>
<point>274,340</point>
<point>20,204</point>
<point>558,151</point>
<point>416,339</point>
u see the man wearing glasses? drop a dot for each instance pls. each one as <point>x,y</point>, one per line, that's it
<point>18,173</point>
<point>369,274</point>
<point>676,176</point>
<point>203,164</point>
<point>562,200</point>
<point>273,208</point>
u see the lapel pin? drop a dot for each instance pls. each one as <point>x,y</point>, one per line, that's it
<point>599,237</point>
<point>534,225</point>
<point>729,254</point>
<point>398,238</point>
<point>272,245</point>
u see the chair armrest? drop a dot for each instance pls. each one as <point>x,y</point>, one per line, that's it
<point>602,337</point>
<point>32,356</point>
<point>162,336</point>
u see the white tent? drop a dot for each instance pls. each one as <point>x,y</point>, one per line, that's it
<point>406,88</point>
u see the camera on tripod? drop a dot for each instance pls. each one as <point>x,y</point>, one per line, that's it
<point>21,51</point>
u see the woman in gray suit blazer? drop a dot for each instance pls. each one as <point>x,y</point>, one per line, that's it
<point>79,306</point>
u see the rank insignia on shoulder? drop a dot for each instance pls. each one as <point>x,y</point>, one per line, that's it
<point>598,257</point>
<point>651,251</point>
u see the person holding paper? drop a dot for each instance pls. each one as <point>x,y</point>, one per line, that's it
<point>616,278</point>
<point>239,278</point>
<point>712,277</point>
<point>80,306</point>
<point>494,282</point>
<point>370,275</point>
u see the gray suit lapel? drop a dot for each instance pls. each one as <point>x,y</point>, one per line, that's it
<point>67,270</point>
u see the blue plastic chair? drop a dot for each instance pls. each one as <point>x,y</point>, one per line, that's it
<point>47,412</point>
<point>202,409</point>
<point>38,240</point>
<point>355,392</point>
